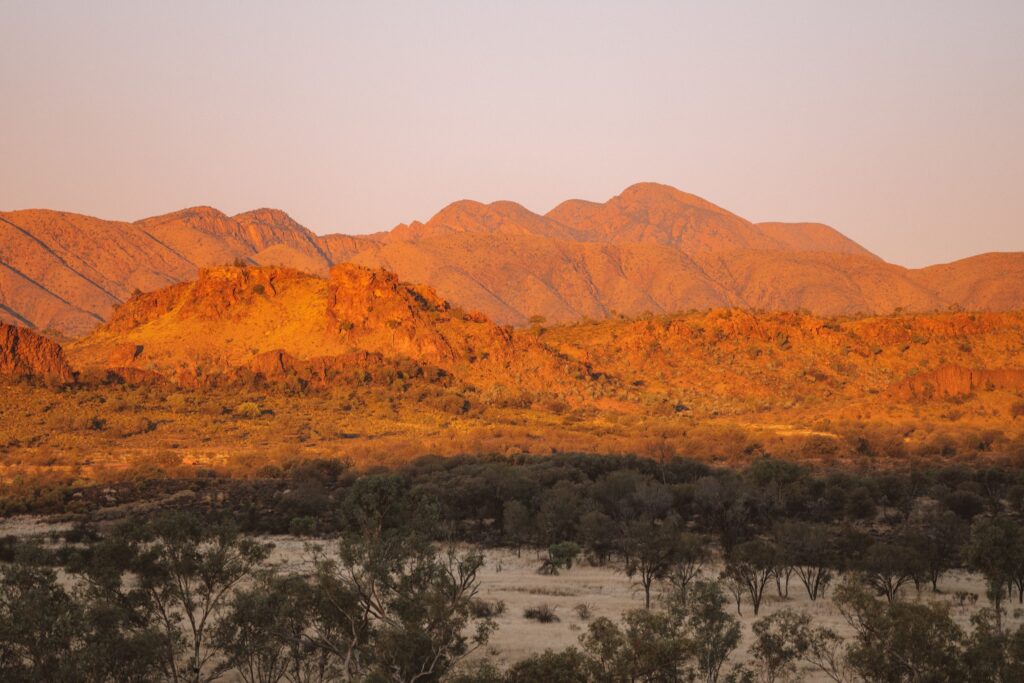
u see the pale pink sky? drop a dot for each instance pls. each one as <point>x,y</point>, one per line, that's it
<point>899,123</point>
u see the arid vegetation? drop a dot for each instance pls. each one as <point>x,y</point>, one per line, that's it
<point>187,588</point>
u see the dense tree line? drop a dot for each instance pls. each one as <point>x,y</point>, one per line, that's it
<point>186,595</point>
<point>777,524</point>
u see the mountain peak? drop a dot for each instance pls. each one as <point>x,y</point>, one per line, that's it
<point>199,213</point>
<point>267,215</point>
<point>658,194</point>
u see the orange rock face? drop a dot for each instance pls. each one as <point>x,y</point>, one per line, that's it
<point>26,354</point>
<point>650,249</point>
<point>362,304</point>
<point>279,322</point>
<point>956,380</point>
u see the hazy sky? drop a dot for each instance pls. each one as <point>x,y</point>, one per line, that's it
<point>900,123</point>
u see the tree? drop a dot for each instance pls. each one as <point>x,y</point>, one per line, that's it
<point>651,646</point>
<point>690,640</point>
<point>887,567</point>
<point>41,627</point>
<point>185,568</point>
<point>751,565</point>
<point>517,524</point>
<point>899,492</point>
<point>711,633</point>
<point>605,647</point>
<point>936,537</point>
<point>901,642</point>
<point>651,548</point>
<point>992,549</point>
<point>558,513</point>
<point>994,655</point>
<point>599,535</point>
<point>780,642</point>
<point>264,633</point>
<point>567,666</point>
<point>396,608</point>
<point>808,549</point>
<point>693,553</point>
<point>786,638</point>
<point>723,506</point>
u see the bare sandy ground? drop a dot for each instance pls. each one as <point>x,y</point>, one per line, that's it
<point>27,526</point>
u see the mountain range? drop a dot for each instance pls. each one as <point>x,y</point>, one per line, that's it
<point>652,248</point>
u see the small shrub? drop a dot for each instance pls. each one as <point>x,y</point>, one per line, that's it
<point>132,425</point>
<point>1017,410</point>
<point>247,410</point>
<point>583,611</point>
<point>485,609</point>
<point>543,614</point>
<point>560,556</point>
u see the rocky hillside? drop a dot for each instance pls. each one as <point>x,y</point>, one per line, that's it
<point>650,249</point>
<point>24,353</point>
<point>734,359</point>
<point>270,319</point>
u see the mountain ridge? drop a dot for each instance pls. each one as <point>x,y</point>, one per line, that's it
<point>651,248</point>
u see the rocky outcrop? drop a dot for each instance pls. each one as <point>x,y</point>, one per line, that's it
<point>363,302</point>
<point>956,380</point>
<point>24,353</point>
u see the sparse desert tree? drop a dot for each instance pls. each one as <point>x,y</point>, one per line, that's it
<point>558,513</point>
<point>993,549</point>
<point>937,537</point>
<point>651,548</point>
<point>808,549</point>
<point>517,524</point>
<point>560,556</point>
<point>693,554</point>
<point>788,638</point>
<point>751,565</point>
<point>565,666</point>
<point>395,608</point>
<point>712,634</point>
<point>650,645</point>
<point>994,654</point>
<point>41,627</point>
<point>185,569</point>
<point>598,532</point>
<point>691,639</point>
<point>901,642</point>
<point>887,568</point>
<point>781,641</point>
<point>264,635</point>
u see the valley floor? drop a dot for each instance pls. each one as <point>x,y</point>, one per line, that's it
<point>606,591</point>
